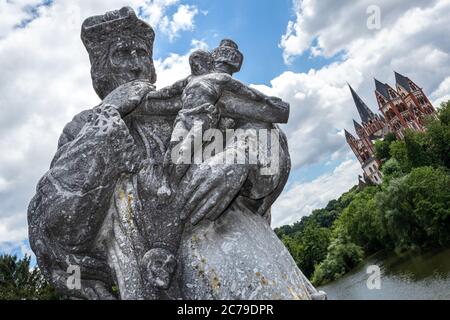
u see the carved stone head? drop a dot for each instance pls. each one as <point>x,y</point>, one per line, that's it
<point>201,62</point>
<point>160,265</point>
<point>120,48</point>
<point>227,57</point>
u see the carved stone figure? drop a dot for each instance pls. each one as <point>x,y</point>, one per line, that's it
<point>115,206</point>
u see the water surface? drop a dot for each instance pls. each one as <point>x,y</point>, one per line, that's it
<point>411,276</point>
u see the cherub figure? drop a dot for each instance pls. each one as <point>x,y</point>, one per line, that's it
<point>200,92</point>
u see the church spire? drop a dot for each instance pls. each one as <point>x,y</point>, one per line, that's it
<point>358,127</point>
<point>402,81</point>
<point>364,112</point>
<point>382,89</point>
<point>349,136</point>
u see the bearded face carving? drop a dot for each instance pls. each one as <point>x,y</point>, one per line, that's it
<point>120,48</point>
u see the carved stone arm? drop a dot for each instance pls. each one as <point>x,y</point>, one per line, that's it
<point>238,107</point>
<point>75,195</point>
<point>266,109</point>
<point>170,91</point>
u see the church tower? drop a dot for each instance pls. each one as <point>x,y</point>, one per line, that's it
<point>415,98</point>
<point>402,108</point>
<point>393,108</point>
<point>405,108</point>
<point>371,128</point>
<point>373,124</point>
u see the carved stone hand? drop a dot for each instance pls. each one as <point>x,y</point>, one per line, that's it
<point>128,96</point>
<point>212,190</point>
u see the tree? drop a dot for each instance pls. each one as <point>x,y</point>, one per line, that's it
<point>399,152</point>
<point>438,132</point>
<point>382,147</point>
<point>323,217</point>
<point>342,257</point>
<point>392,169</point>
<point>444,113</point>
<point>314,242</point>
<point>429,148</point>
<point>361,222</point>
<point>415,150</point>
<point>19,282</point>
<point>309,247</point>
<point>416,208</point>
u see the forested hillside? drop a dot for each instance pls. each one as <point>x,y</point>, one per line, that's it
<point>409,211</point>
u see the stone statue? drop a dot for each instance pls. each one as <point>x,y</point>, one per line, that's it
<point>118,203</point>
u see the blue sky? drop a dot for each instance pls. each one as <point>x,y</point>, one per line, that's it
<point>255,25</point>
<point>304,52</point>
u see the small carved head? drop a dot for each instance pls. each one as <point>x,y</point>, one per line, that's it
<point>159,265</point>
<point>201,62</point>
<point>227,57</point>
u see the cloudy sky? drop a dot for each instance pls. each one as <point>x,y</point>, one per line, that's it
<point>302,51</point>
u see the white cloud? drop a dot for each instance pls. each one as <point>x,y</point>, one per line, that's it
<point>302,198</point>
<point>15,12</point>
<point>182,20</point>
<point>442,94</point>
<point>13,229</point>
<point>334,24</point>
<point>155,10</point>
<point>3,184</point>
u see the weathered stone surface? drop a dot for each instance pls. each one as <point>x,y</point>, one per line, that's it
<point>116,206</point>
<point>238,257</point>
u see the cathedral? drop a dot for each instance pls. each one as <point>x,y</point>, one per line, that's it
<point>404,107</point>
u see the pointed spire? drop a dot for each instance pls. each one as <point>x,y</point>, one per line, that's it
<point>402,81</point>
<point>364,112</point>
<point>382,89</point>
<point>348,135</point>
<point>357,126</point>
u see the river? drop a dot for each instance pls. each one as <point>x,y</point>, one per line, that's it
<point>409,277</point>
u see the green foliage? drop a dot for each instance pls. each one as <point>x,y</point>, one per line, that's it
<point>415,150</point>
<point>19,282</point>
<point>415,209</point>
<point>392,169</point>
<point>444,113</point>
<point>382,147</point>
<point>324,218</point>
<point>308,240</point>
<point>309,247</point>
<point>438,134</point>
<point>430,148</point>
<point>361,222</point>
<point>342,256</point>
<point>399,152</point>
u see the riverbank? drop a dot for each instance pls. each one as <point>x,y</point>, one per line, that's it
<point>408,277</point>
